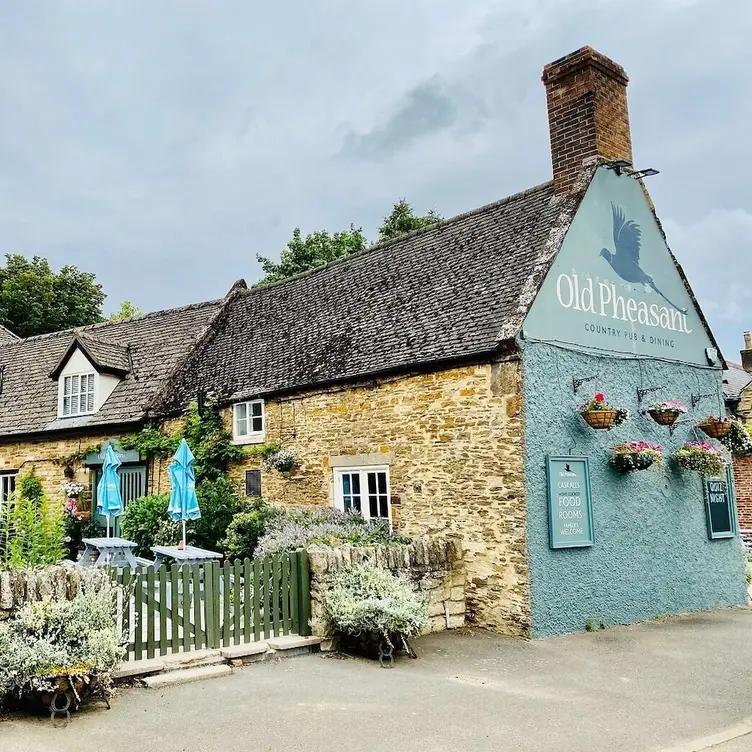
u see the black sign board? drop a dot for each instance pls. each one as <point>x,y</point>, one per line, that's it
<point>719,504</point>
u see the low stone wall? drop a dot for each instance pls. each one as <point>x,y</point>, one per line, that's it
<point>22,587</point>
<point>434,565</point>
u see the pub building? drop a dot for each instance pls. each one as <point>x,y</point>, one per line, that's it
<point>437,381</point>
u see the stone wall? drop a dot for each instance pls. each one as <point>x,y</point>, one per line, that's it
<point>434,565</point>
<point>453,443</point>
<point>43,456</point>
<point>22,587</point>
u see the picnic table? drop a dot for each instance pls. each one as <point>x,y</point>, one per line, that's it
<point>115,552</point>
<point>183,556</point>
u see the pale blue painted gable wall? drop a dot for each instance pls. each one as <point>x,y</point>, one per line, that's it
<point>652,554</point>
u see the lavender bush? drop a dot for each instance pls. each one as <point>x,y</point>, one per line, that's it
<point>300,528</point>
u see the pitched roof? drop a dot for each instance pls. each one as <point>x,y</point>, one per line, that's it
<point>107,357</point>
<point>457,289</point>
<point>735,380</point>
<point>157,343</point>
<point>6,335</point>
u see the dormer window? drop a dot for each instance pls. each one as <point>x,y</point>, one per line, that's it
<point>78,394</point>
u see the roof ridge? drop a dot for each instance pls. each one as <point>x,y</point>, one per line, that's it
<point>86,328</point>
<point>402,238</point>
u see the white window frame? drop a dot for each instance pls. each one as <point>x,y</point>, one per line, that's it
<point>6,477</point>
<point>365,506</point>
<point>249,436</point>
<point>62,395</point>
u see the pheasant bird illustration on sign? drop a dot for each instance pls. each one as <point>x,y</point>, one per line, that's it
<point>625,260</point>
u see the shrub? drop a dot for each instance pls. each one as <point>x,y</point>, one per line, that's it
<point>366,598</point>
<point>32,530</point>
<point>327,527</point>
<point>219,501</point>
<point>248,527</point>
<point>51,637</point>
<point>78,525</point>
<point>141,521</point>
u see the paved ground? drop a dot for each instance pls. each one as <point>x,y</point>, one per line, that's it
<point>656,686</point>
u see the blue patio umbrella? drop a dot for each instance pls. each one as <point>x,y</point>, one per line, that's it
<point>183,502</point>
<point>109,500</point>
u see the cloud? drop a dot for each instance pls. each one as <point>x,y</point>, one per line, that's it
<point>713,253</point>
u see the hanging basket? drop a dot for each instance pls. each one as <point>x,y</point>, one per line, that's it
<point>664,417</point>
<point>599,418</point>
<point>716,430</point>
<point>626,462</point>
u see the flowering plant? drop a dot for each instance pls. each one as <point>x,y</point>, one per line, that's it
<point>283,460</point>
<point>700,456</point>
<point>711,420</point>
<point>635,455</point>
<point>599,404</point>
<point>668,406</point>
<point>73,490</point>
<point>738,440</point>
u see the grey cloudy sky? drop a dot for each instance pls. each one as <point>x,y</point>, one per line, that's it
<point>162,145</point>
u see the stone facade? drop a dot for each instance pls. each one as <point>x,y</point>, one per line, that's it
<point>453,442</point>
<point>22,587</point>
<point>435,566</point>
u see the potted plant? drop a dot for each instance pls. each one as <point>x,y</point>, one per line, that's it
<point>282,460</point>
<point>375,610</point>
<point>738,440</point>
<point>700,456</point>
<point>714,427</point>
<point>597,413</point>
<point>666,413</point>
<point>635,455</point>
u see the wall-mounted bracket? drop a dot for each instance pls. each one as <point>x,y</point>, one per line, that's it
<point>642,392</point>
<point>696,398</point>
<point>577,383</point>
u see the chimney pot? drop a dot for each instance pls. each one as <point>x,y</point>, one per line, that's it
<point>586,93</point>
<point>748,340</point>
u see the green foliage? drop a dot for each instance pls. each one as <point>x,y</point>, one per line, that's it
<point>738,439</point>
<point>263,451</point>
<point>78,527</point>
<point>700,456</point>
<point>248,526</point>
<point>151,442</point>
<point>51,637</point>
<point>74,458</point>
<point>366,598</point>
<point>220,502</point>
<point>140,522</point>
<point>317,249</point>
<point>402,220</point>
<point>126,311</point>
<point>301,528</point>
<point>35,300</point>
<point>210,442</point>
<point>32,530</point>
<point>749,572</point>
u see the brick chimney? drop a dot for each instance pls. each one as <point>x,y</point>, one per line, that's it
<point>746,353</point>
<point>586,95</point>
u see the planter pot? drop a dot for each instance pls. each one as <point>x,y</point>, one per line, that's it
<point>664,417</point>
<point>375,645</point>
<point>626,462</point>
<point>599,418</point>
<point>716,430</point>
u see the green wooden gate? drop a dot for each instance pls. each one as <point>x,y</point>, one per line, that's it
<point>175,608</point>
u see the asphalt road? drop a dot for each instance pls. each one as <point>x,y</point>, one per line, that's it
<point>651,687</point>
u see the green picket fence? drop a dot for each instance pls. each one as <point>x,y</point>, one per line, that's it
<point>175,609</point>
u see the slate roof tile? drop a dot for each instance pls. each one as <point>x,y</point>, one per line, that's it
<point>453,290</point>
<point>157,343</point>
